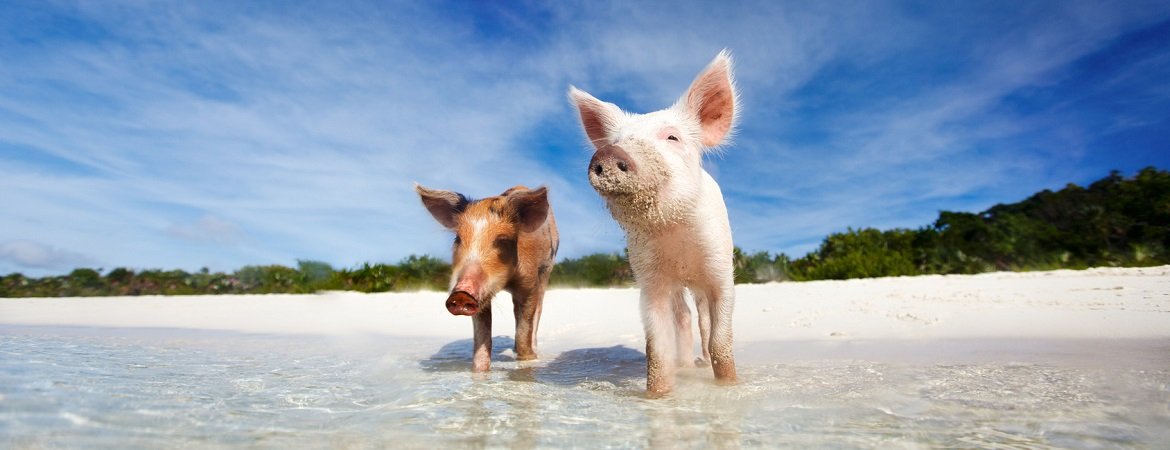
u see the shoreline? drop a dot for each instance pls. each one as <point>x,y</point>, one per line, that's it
<point>1103,303</point>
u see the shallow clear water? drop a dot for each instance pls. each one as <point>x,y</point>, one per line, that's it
<point>168,388</point>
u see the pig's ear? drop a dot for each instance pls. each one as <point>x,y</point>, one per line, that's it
<point>712,100</point>
<point>445,206</point>
<point>597,117</point>
<point>531,208</point>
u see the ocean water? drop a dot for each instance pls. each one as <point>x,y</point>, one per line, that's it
<point>121,388</point>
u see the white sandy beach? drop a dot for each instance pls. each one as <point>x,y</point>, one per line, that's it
<point>1103,303</point>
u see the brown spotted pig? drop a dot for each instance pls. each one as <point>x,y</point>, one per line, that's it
<point>507,242</point>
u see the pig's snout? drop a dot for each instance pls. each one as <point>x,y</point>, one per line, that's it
<point>610,160</point>
<point>462,304</point>
<point>611,170</point>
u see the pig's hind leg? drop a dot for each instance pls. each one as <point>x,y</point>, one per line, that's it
<point>526,307</point>
<point>684,340</point>
<point>703,310</point>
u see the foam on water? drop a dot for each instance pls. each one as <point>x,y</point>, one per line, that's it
<point>167,388</point>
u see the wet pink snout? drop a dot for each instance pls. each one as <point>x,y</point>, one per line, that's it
<point>611,161</point>
<point>462,304</point>
<point>612,171</point>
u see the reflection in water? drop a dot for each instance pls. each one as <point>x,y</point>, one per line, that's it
<point>93,388</point>
<point>671,426</point>
<point>456,356</point>
<point>515,421</point>
<point>617,365</point>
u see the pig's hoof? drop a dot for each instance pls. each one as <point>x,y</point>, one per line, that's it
<point>726,379</point>
<point>526,357</point>
<point>657,393</point>
<point>700,362</point>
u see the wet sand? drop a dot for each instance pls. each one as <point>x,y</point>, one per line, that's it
<point>1039,360</point>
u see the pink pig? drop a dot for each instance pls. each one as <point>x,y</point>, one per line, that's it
<point>648,168</point>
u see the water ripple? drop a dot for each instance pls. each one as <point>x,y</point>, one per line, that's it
<point>215,390</point>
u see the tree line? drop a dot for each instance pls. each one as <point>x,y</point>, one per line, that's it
<point>1115,221</point>
<point>412,273</point>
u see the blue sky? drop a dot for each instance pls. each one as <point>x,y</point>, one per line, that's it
<point>220,134</point>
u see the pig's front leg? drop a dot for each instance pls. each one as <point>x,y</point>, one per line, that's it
<point>481,355</point>
<point>526,305</point>
<point>659,323</point>
<point>721,304</point>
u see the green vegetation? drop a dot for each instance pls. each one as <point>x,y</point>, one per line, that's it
<point>412,273</point>
<point>596,270</point>
<point>1113,222</point>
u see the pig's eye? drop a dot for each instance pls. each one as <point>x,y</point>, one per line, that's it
<point>505,248</point>
<point>672,138</point>
<point>457,240</point>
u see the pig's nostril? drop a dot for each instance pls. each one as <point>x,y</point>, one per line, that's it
<point>622,166</point>
<point>597,168</point>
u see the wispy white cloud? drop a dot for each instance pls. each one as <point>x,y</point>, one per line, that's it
<point>209,229</point>
<point>41,256</point>
<point>313,148</point>
<point>282,133</point>
<point>947,145</point>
